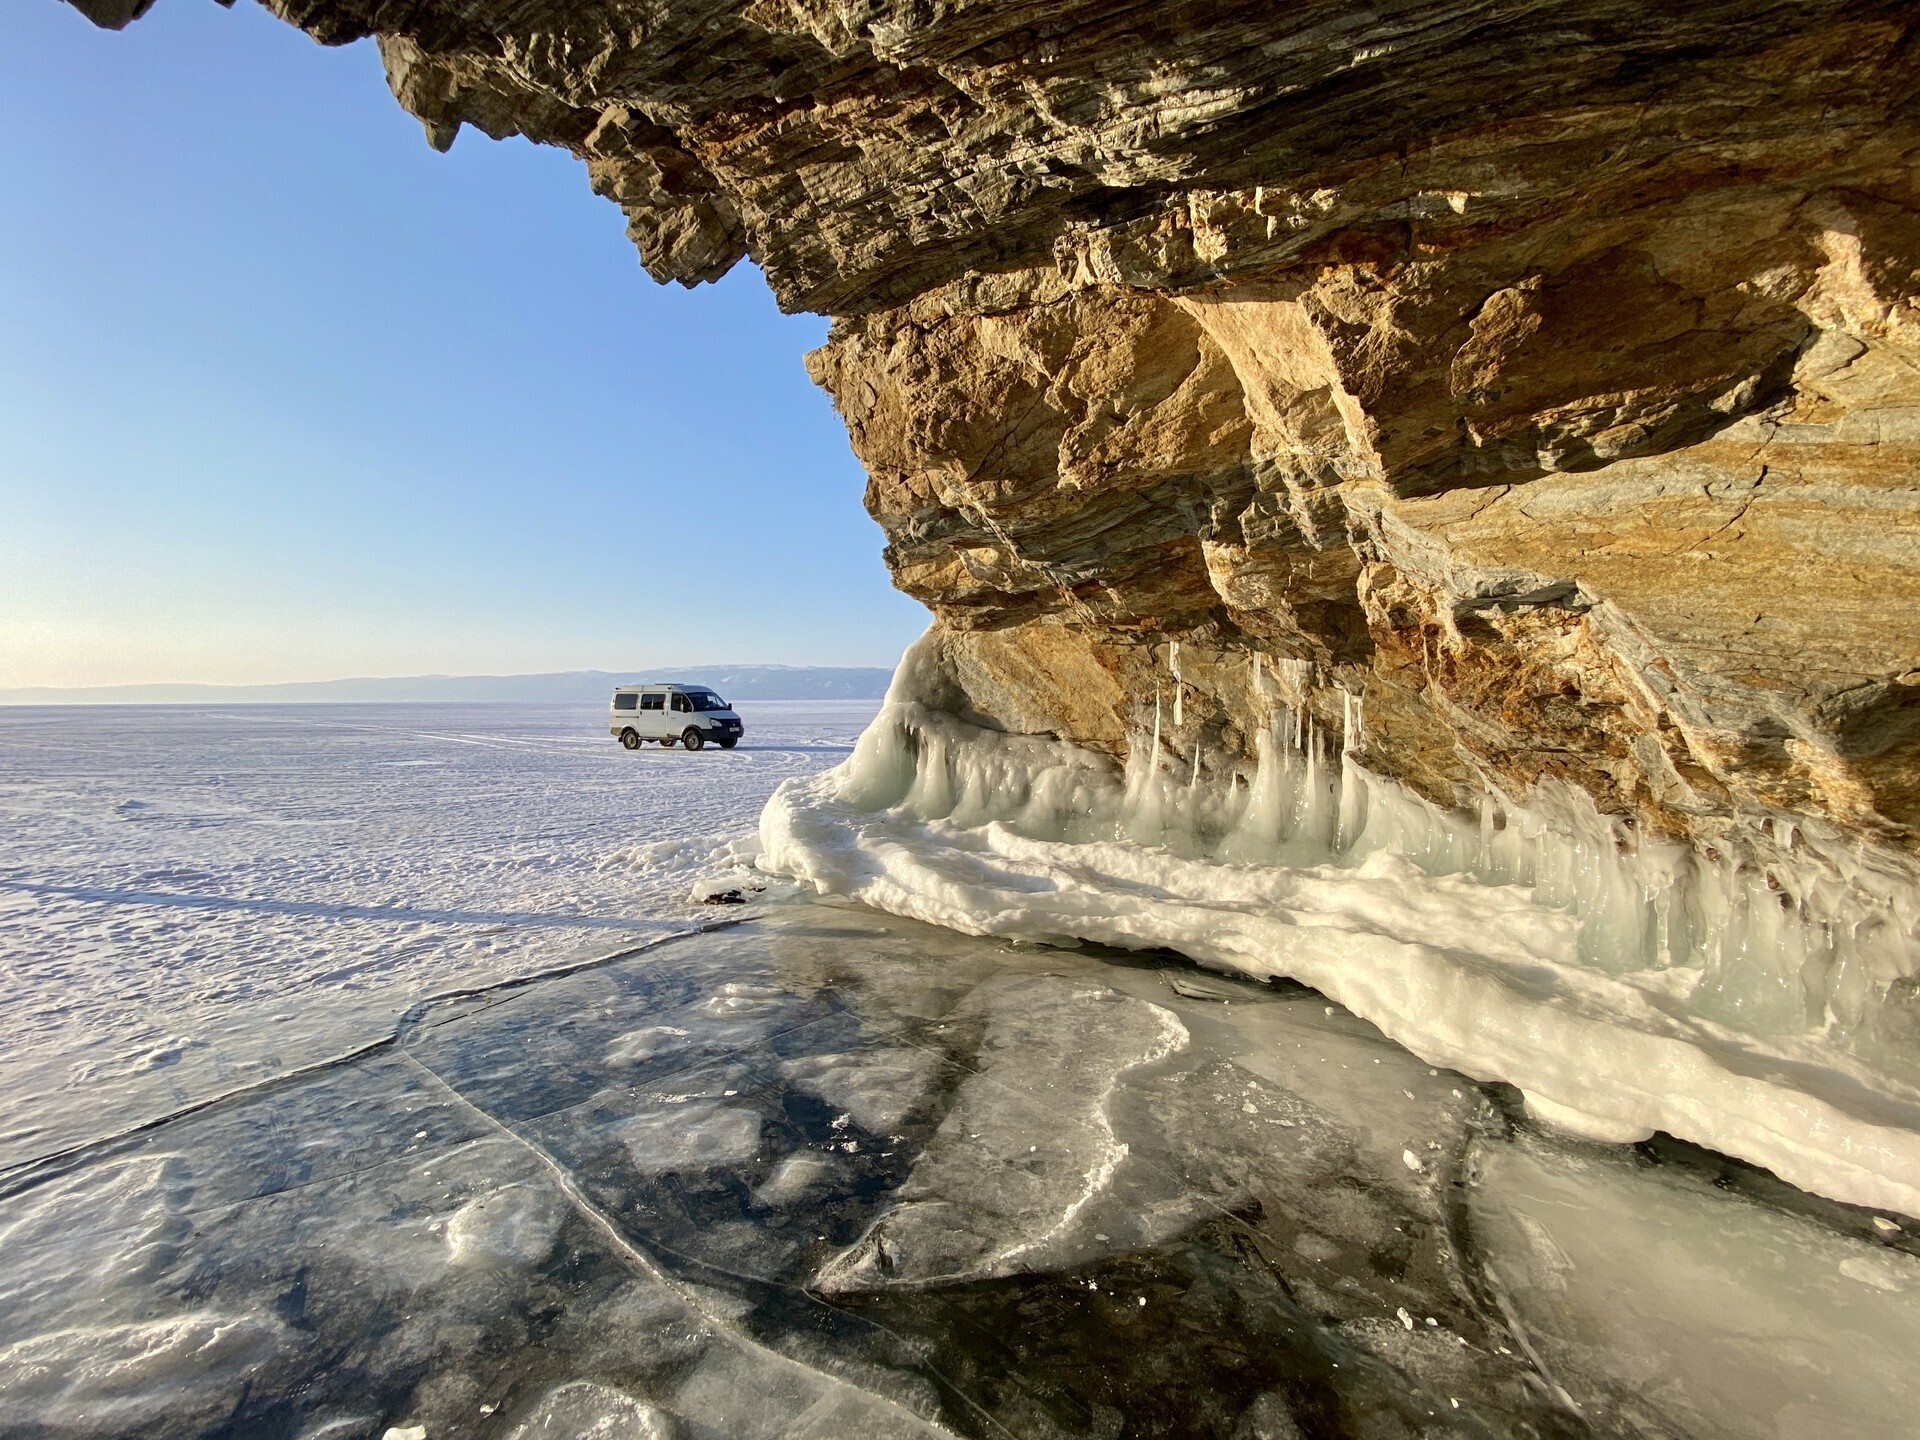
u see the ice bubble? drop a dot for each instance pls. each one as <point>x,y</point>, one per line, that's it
<point>637,1047</point>
<point>342,1427</point>
<point>740,998</point>
<point>583,1410</point>
<point>1267,1418</point>
<point>799,1175</point>
<point>1878,1271</point>
<point>696,1136</point>
<point>125,1379</point>
<point>878,1088</point>
<point>513,1226</point>
<point>1316,1247</point>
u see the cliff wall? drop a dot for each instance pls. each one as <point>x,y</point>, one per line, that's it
<point>1546,376</point>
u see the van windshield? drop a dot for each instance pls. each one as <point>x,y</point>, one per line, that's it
<point>706,700</point>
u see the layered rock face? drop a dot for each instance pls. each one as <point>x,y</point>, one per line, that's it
<point>1548,377</point>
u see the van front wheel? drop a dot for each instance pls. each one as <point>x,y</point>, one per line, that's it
<point>693,739</point>
<point>629,739</point>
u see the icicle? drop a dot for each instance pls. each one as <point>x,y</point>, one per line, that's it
<point>1179,685</point>
<point>1811,943</point>
<point>1310,806</point>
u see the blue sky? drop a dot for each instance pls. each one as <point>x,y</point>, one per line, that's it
<point>286,395</point>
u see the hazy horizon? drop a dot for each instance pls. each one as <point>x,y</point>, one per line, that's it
<point>287,394</point>
<point>746,682</point>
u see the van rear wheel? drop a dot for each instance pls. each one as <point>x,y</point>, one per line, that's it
<point>667,742</point>
<point>693,739</point>
<point>629,739</point>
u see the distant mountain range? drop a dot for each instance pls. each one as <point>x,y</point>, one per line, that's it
<point>734,682</point>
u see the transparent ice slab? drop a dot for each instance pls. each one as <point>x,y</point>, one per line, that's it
<point>829,1173</point>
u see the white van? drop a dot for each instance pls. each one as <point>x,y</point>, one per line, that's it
<point>689,715</point>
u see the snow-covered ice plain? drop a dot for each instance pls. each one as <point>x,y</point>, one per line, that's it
<point>193,899</point>
<point>819,1171</point>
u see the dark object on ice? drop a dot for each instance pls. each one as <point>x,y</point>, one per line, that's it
<point>1195,986</point>
<point>724,897</point>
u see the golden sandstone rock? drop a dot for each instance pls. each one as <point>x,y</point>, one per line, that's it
<point>1549,376</point>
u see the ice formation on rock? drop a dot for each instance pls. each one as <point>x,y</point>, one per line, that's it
<point>1625,985</point>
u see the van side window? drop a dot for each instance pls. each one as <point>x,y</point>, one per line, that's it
<point>653,702</point>
<point>680,702</point>
<point>625,702</point>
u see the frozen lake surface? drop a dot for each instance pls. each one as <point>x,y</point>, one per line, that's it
<point>831,1174</point>
<point>191,899</point>
<point>817,1173</point>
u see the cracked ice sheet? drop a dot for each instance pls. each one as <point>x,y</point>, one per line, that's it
<point>208,897</point>
<point>1027,1156</point>
<point>473,1221</point>
<point>410,1288</point>
<point>1664,1305</point>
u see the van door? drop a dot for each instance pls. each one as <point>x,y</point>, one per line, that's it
<point>684,714</point>
<point>626,710</point>
<point>653,723</point>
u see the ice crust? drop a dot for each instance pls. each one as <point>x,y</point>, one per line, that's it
<point>693,1137</point>
<point>1626,988</point>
